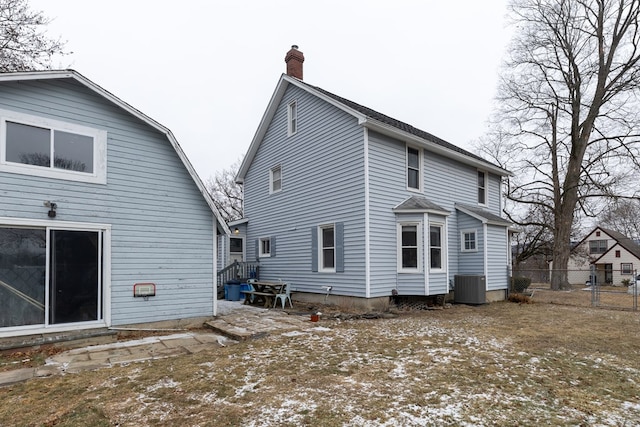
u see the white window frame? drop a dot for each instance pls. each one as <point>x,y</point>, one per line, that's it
<point>419,168</point>
<point>483,188</point>
<point>99,175</point>
<point>292,118</point>
<point>626,271</point>
<point>104,308</point>
<point>463,240</point>
<point>272,181</point>
<point>262,250</point>
<point>399,247</point>
<point>443,247</point>
<point>321,248</point>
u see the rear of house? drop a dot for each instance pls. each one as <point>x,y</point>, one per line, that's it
<point>341,199</point>
<point>97,202</point>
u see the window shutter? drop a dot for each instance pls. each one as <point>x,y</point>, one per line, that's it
<point>314,249</point>
<point>257,249</point>
<point>273,246</point>
<point>339,247</point>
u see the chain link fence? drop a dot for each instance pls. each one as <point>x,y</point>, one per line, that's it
<point>593,286</point>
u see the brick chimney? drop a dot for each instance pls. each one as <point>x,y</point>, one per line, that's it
<point>294,60</point>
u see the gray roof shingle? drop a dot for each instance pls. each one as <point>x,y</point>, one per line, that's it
<point>418,203</point>
<point>492,218</point>
<point>397,124</point>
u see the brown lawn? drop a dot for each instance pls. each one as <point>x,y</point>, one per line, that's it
<point>502,364</point>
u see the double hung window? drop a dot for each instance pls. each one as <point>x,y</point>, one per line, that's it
<point>292,116</point>
<point>409,238</point>
<point>264,247</point>
<point>597,246</point>
<point>413,168</point>
<point>275,179</point>
<point>327,248</point>
<point>436,246</point>
<point>482,188</point>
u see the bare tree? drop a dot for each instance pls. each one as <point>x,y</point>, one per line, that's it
<point>23,42</point>
<point>568,111</point>
<point>226,194</point>
<point>622,216</point>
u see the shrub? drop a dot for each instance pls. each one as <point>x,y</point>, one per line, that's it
<point>520,298</point>
<point>519,284</point>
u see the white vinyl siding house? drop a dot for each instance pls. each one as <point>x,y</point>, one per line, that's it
<point>136,212</point>
<point>614,256</point>
<point>391,194</point>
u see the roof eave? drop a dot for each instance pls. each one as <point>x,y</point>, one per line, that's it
<point>392,131</point>
<point>422,210</point>
<point>482,219</point>
<point>272,106</point>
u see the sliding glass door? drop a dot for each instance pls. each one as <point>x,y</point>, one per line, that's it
<point>49,276</point>
<point>23,257</point>
<point>74,290</point>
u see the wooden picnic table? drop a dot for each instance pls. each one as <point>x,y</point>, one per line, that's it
<point>263,291</point>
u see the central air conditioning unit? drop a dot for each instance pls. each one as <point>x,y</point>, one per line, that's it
<point>469,289</point>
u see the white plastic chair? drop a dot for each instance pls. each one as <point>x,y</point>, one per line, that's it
<point>284,297</point>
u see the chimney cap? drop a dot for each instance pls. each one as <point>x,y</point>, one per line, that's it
<point>294,46</point>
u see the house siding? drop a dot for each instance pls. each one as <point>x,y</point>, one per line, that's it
<point>470,263</point>
<point>162,228</point>
<point>497,268</point>
<point>580,261</point>
<point>625,257</point>
<point>322,183</point>
<point>446,182</point>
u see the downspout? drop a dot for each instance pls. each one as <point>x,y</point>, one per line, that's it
<point>367,234</point>
<point>215,266</point>
<point>486,256</point>
<point>426,263</point>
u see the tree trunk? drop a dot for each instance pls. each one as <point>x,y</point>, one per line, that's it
<point>561,252</point>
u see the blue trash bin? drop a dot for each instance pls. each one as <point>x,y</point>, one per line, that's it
<point>232,290</point>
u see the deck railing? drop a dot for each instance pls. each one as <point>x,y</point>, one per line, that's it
<point>239,271</point>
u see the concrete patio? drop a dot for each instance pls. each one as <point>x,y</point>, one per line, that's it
<point>235,322</point>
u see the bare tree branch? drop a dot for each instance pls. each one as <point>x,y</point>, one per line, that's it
<point>568,120</point>
<point>23,42</point>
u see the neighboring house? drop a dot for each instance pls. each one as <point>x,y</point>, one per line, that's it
<point>337,194</point>
<point>96,197</point>
<point>615,257</point>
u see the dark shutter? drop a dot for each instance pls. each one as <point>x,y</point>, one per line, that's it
<point>314,249</point>
<point>273,246</point>
<point>339,247</point>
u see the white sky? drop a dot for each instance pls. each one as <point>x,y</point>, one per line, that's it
<point>207,69</point>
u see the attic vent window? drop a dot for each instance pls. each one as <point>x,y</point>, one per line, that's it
<point>292,114</point>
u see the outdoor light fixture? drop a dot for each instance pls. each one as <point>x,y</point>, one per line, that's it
<point>52,208</point>
<point>144,290</point>
<point>236,230</point>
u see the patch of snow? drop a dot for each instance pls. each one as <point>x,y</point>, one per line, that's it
<point>293,334</point>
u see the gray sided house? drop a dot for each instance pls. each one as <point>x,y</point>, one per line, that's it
<point>339,195</point>
<point>98,203</point>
